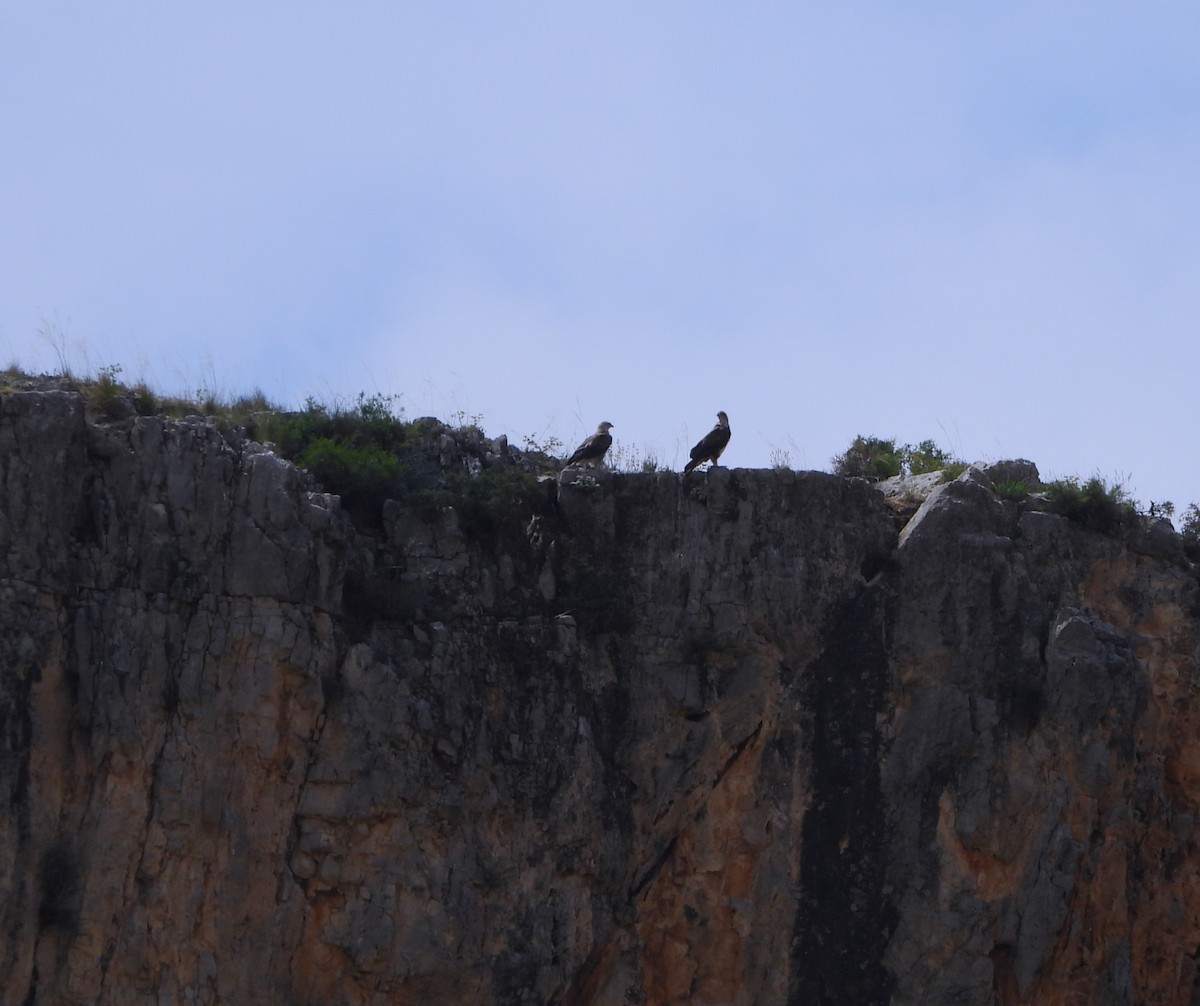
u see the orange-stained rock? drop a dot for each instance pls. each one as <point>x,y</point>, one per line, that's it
<point>727,739</point>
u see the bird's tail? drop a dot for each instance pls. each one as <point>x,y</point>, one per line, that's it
<point>689,466</point>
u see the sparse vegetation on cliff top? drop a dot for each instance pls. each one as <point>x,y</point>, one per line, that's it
<point>1095,503</point>
<point>1099,504</point>
<point>368,451</point>
<point>882,458</point>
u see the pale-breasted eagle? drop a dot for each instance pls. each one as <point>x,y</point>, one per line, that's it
<point>591,452</point>
<point>711,444</point>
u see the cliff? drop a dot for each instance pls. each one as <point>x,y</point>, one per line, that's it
<point>732,738</point>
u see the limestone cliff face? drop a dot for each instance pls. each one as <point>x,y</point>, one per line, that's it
<point>724,739</point>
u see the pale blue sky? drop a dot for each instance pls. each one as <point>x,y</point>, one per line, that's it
<point>974,223</point>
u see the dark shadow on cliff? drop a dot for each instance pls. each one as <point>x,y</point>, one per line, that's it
<point>845,920</point>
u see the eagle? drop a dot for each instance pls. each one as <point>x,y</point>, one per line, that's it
<point>711,444</point>
<point>591,452</point>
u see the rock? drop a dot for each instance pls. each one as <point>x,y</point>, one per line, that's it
<point>913,487</point>
<point>728,739</point>
<point>999,472</point>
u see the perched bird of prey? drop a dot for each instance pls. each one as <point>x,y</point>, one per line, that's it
<point>591,452</point>
<point>711,444</point>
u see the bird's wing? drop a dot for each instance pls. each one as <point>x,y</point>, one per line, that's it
<point>594,447</point>
<point>711,444</point>
<point>582,451</point>
<point>704,445</point>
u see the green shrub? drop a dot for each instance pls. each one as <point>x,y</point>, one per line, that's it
<point>876,457</point>
<point>926,457</point>
<point>869,457</point>
<point>371,422</point>
<point>879,458</point>
<point>366,453</point>
<point>1190,528</point>
<point>1096,504</point>
<point>356,471</point>
<point>106,391</point>
<point>369,453</point>
<point>497,501</point>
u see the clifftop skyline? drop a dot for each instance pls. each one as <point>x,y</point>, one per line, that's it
<point>965,222</point>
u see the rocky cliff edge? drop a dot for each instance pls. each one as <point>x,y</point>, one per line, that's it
<point>737,737</point>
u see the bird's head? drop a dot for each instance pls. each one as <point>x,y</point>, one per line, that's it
<point>604,427</point>
<point>722,419</point>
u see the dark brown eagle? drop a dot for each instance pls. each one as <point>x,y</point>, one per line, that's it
<point>591,452</point>
<point>711,444</point>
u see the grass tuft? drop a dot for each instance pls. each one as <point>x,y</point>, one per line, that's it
<point>1013,490</point>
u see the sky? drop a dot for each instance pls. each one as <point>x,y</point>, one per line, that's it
<point>972,223</point>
